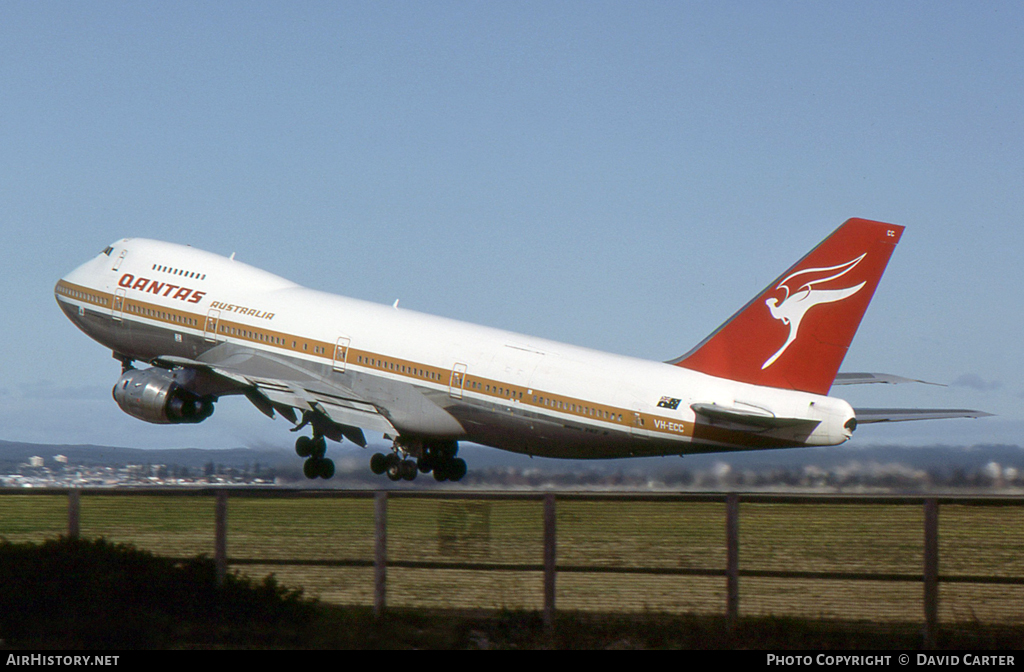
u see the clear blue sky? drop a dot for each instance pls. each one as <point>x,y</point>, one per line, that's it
<point>618,175</point>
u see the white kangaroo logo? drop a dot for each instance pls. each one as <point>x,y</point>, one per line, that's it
<point>795,304</point>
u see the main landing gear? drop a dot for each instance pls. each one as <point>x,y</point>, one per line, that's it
<point>315,466</point>
<point>313,449</point>
<point>437,457</point>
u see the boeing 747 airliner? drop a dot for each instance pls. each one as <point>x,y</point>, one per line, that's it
<point>210,326</point>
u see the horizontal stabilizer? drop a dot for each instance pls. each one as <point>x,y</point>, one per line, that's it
<point>869,415</point>
<point>869,378</point>
<point>743,416</point>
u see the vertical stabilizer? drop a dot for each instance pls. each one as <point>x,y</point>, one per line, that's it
<point>795,333</point>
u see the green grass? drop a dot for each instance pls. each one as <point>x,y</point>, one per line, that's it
<point>300,528</point>
<point>170,526</point>
<point>688,535</point>
<point>33,517</point>
<point>876,538</point>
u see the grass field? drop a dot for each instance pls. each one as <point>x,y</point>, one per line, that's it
<point>604,534</point>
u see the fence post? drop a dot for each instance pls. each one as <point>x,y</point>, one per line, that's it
<point>220,536</point>
<point>732,559</point>
<point>549,560</point>
<point>380,552</point>
<point>931,570</point>
<point>74,511</point>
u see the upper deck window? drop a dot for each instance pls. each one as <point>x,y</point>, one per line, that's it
<point>195,275</point>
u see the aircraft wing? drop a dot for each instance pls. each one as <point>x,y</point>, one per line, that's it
<point>870,415</point>
<point>274,385</point>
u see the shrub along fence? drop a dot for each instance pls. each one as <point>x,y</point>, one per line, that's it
<point>928,560</point>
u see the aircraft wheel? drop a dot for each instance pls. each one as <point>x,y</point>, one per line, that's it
<point>393,467</point>
<point>304,446</point>
<point>457,469</point>
<point>378,463</point>
<point>319,446</point>
<point>408,470</point>
<point>311,468</point>
<point>441,472</point>
<point>326,469</point>
<point>426,463</point>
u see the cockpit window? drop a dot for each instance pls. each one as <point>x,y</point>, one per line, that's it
<point>108,250</point>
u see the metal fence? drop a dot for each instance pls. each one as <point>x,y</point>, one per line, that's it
<point>901,559</point>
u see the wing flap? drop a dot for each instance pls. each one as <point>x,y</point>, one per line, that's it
<point>282,393</point>
<point>347,415</point>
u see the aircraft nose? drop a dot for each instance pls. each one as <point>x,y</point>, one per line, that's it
<point>84,288</point>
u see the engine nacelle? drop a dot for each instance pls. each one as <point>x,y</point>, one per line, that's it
<point>154,395</point>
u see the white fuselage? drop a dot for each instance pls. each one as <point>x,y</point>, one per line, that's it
<point>429,376</point>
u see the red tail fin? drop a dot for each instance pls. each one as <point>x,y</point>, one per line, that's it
<point>795,333</point>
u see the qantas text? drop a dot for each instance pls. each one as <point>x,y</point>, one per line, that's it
<point>129,281</point>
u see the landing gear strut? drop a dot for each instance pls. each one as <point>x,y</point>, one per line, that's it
<point>127,363</point>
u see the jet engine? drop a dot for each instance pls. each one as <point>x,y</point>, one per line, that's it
<point>156,396</point>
